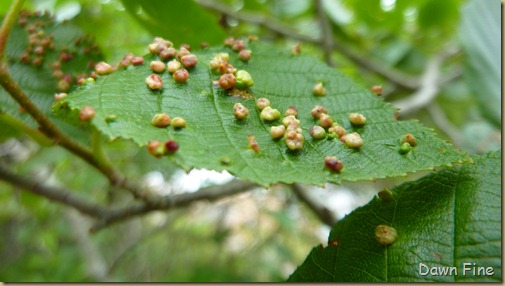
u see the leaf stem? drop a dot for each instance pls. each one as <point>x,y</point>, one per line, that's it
<point>36,135</point>
<point>7,24</point>
<point>53,132</point>
<point>96,145</point>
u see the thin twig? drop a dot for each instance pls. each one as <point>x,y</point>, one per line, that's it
<point>427,91</point>
<point>7,24</point>
<point>176,201</point>
<point>326,33</point>
<point>55,194</point>
<point>438,116</point>
<point>397,77</point>
<point>107,216</point>
<point>53,132</point>
<point>322,212</point>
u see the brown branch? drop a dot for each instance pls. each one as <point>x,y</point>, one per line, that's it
<point>107,216</point>
<point>397,77</point>
<point>175,201</point>
<point>326,33</point>
<point>53,132</point>
<point>7,24</point>
<point>322,212</point>
<point>55,194</point>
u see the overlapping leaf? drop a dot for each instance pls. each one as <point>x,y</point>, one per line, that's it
<point>445,219</point>
<point>38,37</point>
<point>480,36</point>
<point>214,139</point>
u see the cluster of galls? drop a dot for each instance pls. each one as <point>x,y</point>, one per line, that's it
<point>178,62</point>
<point>158,149</point>
<point>162,120</point>
<point>407,143</point>
<point>352,140</point>
<point>290,127</point>
<point>40,44</point>
<point>232,78</point>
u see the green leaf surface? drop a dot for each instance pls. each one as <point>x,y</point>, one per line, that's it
<point>480,34</point>
<point>445,219</point>
<point>213,135</point>
<point>182,21</point>
<point>39,82</point>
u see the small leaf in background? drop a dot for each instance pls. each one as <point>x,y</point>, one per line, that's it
<point>182,21</point>
<point>213,132</point>
<point>445,219</point>
<point>480,35</point>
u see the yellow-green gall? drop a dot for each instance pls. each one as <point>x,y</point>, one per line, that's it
<point>157,66</point>
<point>317,111</point>
<point>161,120</point>
<point>270,114</point>
<point>385,235</point>
<point>357,119</point>
<point>336,131</point>
<point>240,111</point>
<point>405,148</point>
<point>291,111</point>
<point>103,68</point>
<point>290,120</point>
<point>156,148</point>
<point>352,140</point>
<point>262,102</point>
<point>385,195</point>
<point>325,120</point>
<point>294,142</point>
<point>319,89</point>
<point>154,82</point>
<point>244,80</point>
<point>277,131</point>
<point>173,66</point>
<point>178,122</point>
<point>317,132</point>
<point>60,96</point>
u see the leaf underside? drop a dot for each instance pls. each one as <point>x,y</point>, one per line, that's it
<point>214,136</point>
<point>445,219</point>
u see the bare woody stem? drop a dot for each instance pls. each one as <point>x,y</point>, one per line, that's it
<point>7,24</point>
<point>47,127</point>
<point>399,78</point>
<point>105,215</point>
<point>322,212</point>
<point>209,194</point>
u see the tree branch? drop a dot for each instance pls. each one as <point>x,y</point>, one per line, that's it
<point>322,212</point>
<point>397,77</point>
<point>53,132</point>
<point>107,216</point>
<point>55,194</point>
<point>176,201</point>
<point>7,24</point>
<point>326,33</point>
<point>438,116</point>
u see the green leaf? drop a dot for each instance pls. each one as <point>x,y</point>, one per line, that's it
<point>39,81</point>
<point>213,135</point>
<point>182,21</point>
<point>445,219</point>
<point>480,34</point>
